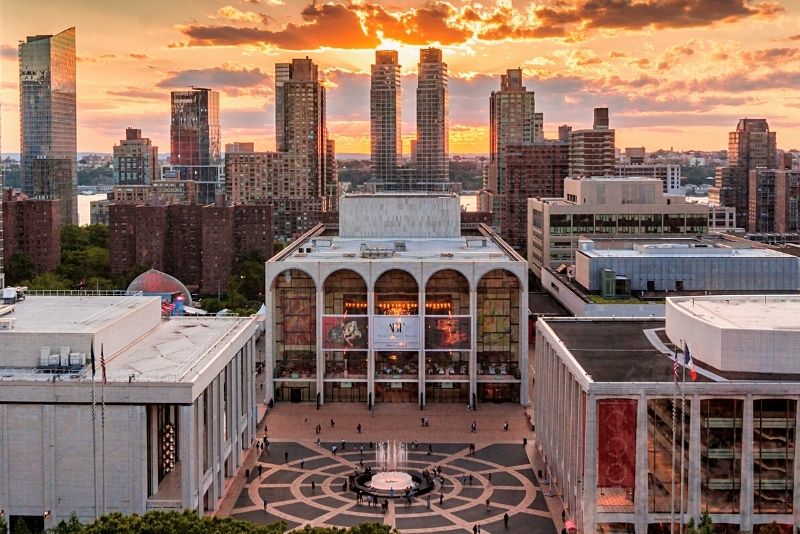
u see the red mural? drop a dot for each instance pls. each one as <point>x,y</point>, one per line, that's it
<point>616,443</point>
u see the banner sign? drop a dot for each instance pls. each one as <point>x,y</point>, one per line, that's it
<point>344,332</point>
<point>447,333</point>
<point>395,332</point>
<point>616,443</point>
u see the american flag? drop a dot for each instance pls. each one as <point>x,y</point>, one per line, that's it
<point>166,308</point>
<point>675,368</point>
<point>103,365</point>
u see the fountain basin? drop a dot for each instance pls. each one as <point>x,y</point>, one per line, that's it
<point>391,480</point>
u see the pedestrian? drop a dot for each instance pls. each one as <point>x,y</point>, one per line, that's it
<point>470,479</point>
<point>358,427</point>
<point>563,515</point>
<point>266,502</point>
<point>361,449</point>
<point>441,499</point>
<point>286,457</point>
<point>302,463</point>
<point>334,450</point>
<point>505,519</point>
<point>361,463</point>
<point>305,421</point>
<point>489,477</point>
<point>313,487</point>
<point>259,469</point>
<point>428,502</point>
<point>488,505</point>
<point>430,449</point>
<point>344,446</point>
<point>344,487</point>
<point>317,442</point>
<point>422,421</point>
<point>474,529</point>
<point>333,423</point>
<point>505,426</point>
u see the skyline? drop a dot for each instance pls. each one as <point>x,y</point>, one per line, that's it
<point>636,59</point>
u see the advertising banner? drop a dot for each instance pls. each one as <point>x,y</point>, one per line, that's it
<point>616,443</point>
<point>395,332</point>
<point>447,333</point>
<point>344,332</point>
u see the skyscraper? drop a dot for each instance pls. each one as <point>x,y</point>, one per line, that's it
<point>300,125</point>
<point>384,110</point>
<point>591,152</point>
<point>47,118</point>
<point>432,118</point>
<point>135,159</point>
<point>195,139</point>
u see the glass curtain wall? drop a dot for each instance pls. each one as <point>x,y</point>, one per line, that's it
<point>721,454</point>
<point>498,336</point>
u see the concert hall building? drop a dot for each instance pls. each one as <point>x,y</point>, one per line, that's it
<point>399,302</point>
<point>606,403</point>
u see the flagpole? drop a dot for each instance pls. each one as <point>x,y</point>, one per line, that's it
<point>674,418</point>
<point>103,422</point>
<point>683,418</point>
<point>94,433</point>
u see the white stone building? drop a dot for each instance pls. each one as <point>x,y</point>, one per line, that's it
<point>166,429</point>
<point>606,404</point>
<point>397,303</point>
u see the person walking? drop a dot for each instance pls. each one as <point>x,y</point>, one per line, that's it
<point>441,498</point>
<point>428,502</point>
<point>313,487</point>
<point>505,426</point>
<point>260,467</point>
<point>344,445</point>
<point>430,449</point>
<point>358,427</point>
<point>488,505</point>
<point>470,479</point>
<point>302,463</point>
<point>266,503</point>
<point>333,449</point>
<point>286,457</point>
<point>333,423</point>
<point>474,529</point>
<point>361,450</point>
<point>505,519</point>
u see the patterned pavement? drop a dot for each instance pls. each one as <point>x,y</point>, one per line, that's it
<point>501,472</point>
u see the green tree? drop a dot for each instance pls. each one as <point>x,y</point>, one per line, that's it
<point>19,267</point>
<point>705,526</point>
<point>772,528</point>
<point>73,526</point>
<point>3,528</point>
<point>21,527</point>
<point>51,281</point>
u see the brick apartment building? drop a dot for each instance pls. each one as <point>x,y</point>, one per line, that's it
<point>773,201</point>
<point>32,227</point>
<point>196,244</point>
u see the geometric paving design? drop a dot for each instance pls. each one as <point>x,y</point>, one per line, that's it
<point>500,472</point>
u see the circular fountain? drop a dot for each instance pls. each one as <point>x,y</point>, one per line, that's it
<point>390,478</point>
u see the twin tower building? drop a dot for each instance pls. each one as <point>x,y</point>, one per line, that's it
<point>428,168</point>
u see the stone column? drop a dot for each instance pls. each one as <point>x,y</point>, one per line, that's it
<point>155,446</point>
<point>523,343</point>
<point>641,489</point>
<point>746,469</point>
<point>473,351</point>
<point>371,351</point>
<point>590,469</point>
<point>695,467</point>
<point>796,465</point>
<point>320,309</point>
<point>269,343</point>
<point>187,444</point>
<point>421,364</point>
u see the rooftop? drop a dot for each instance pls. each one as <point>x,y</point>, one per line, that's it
<point>73,314</point>
<point>680,250</point>
<point>777,312</point>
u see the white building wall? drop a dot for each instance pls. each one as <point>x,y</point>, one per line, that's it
<point>379,216</point>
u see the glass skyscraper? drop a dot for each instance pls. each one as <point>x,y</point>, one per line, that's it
<point>47,120</point>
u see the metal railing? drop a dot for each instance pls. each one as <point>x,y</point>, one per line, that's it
<point>82,293</point>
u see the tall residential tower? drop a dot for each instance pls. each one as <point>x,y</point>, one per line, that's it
<point>195,140</point>
<point>135,160</point>
<point>385,119</point>
<point>432,118</point>
<point>48,135</point>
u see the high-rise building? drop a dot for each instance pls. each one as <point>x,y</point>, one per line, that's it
<point>564,131</point>
<point>669,174</point>
<point>386,145</point>
<point>535,170</point>
<point>195,139</point>
<point>33,228</point>
<point>512,121</point>
<point>592,152</point>
<point>135,160</point>
<point>300,124</point>
<point>750,146</point>
<point>433,145</point>
<point>538,127</point>
<point>238,147</point>
<point>47,117</point>
<point>773,201</point>
<point>56,179</point>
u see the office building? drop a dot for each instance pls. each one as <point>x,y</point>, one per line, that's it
<point>605,207</point>
<point>397,304</point>
<point>239,147</point>
<point>750,146</point>
<point>538,127</point>
<point>631,450</point>
<point>168,430</point>
<point>512,121</point>
<point>196,244</point>
<point>773,201</point>
<point>195,140</point>
<point>135,160</point>
<point>386,146</point>
<point>592,152</point>
<point>721,218</point>
<point>33,228</point>
<point>670,175</point>
<point>535,170</point>
<point>48,120</point>
<point>635,155</point>
<point>433,130</point>
<point>53,180</point>
<point>564,132</point>
<point>98,211</point>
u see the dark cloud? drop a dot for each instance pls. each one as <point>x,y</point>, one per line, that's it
<point>425,25</point>
<point>326,25</point>
<point>141,93</point>
<point>8,52</point>
<point>229,79</point>
<point>793,37</point>
<point>138,56</point>
<point>772,54</point>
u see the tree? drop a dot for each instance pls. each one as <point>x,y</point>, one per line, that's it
<point>50,281</point>
<point>772,528</point>
<point>704,527</point>
<point>19,267</point>
<point>21,527</point>
<point>73,526</point>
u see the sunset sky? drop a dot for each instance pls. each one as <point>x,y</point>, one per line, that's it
<point>674,73</point>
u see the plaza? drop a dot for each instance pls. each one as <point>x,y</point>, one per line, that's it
<point>501,470</point>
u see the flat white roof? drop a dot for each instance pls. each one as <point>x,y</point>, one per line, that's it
<point>678,251</point>
<point>469,248</point>
<point>73,314</point>
<point>770,312</point>
<point>174,350</point>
